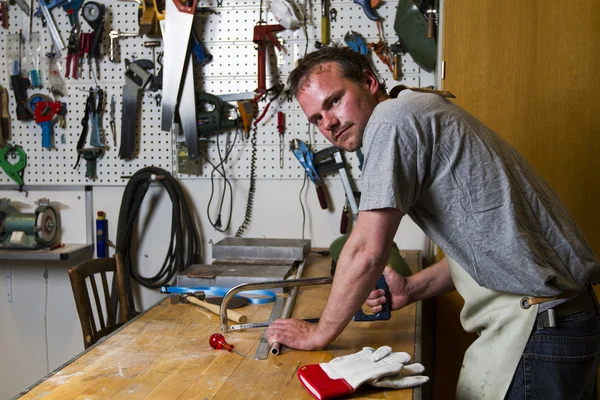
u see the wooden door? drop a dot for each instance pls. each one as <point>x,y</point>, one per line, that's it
<point>530,71</point>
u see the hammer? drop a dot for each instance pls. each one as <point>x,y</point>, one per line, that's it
<point>197,297</point>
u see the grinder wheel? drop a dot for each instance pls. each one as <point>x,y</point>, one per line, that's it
<point>47,224</point>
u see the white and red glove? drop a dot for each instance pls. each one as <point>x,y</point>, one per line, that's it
<point>341,376</point>
<point>286,13</point>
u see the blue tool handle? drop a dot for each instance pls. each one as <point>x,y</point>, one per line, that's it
<point>385,312</point>
<point>369,12</point>
<point>46,134</point>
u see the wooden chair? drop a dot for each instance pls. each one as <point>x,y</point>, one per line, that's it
<point>94,269</point>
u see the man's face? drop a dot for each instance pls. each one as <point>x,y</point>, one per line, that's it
<point>339,107</point>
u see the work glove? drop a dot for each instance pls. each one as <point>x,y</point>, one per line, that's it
<point>341,376</point>
<point>286,13</point>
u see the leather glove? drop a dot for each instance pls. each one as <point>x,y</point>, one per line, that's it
<point>341,376</point>
<point>408,377</point>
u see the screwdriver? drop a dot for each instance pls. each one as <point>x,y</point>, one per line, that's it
<point>217,342</point>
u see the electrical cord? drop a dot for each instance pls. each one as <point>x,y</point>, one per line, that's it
<point>217,225</point>
<point>278,89</point>
<point>252,188</point>
<point>184,245</point>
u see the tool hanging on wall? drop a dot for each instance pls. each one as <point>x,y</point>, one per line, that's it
<point>325,28</point>
<point>45,113</point>
<point>4,14</point>
<point>179,72</point>
<point>15,169</point>
<point>90,155</point>
<point>57,40</point>
<point>281,130</point>
<point>413,29</point>
<point>113,125</point>
<point>263,36</point>
<point>73,52</point>
<point>305,156</point>
<point>114,36</point>
<point>5,124</point>
<point>137,77</point>
<point>97,105</point>
<point>95,14</point>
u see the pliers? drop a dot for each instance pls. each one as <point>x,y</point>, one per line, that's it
<point>73,52</point>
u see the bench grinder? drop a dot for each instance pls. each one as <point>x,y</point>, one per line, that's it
<point>27,230</point>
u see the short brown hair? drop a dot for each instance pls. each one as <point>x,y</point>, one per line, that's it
<point>352,64</point>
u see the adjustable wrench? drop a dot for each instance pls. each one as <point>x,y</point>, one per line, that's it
<point>136,79</point>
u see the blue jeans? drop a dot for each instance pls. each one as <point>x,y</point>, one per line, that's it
<point>560,362</point>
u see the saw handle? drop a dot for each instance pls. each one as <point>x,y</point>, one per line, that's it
<point>231,315</point>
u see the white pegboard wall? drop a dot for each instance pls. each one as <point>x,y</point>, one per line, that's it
<point>227,36</point>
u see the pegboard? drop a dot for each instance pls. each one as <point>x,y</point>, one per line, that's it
<point>227,36</point>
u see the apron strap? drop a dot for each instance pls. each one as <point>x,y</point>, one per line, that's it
<point>527,302</point>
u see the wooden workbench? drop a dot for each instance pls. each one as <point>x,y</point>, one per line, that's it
<point>164,354</point>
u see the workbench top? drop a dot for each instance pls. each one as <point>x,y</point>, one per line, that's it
<point>164,353</point>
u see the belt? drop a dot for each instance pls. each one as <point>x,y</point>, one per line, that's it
<point>584,301</point>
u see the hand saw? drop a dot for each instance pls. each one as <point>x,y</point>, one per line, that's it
<point>178,28</point>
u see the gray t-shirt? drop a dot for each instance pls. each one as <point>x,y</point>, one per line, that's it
<point>474,195</point>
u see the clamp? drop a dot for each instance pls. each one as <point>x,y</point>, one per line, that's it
<point>136,79</point>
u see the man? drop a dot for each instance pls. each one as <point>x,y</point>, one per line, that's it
<point>514,252</point>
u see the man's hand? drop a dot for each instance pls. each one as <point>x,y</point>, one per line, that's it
<point>399,293</point>
<point>294,333</point>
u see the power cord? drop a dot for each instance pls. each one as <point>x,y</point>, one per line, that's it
<point>217,225</point>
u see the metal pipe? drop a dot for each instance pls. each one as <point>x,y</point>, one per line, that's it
<point>287,308</point>
<point>266,285</point>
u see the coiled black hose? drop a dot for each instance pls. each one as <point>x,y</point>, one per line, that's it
<point>184,246</point>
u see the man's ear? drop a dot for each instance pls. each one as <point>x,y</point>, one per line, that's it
<point>371,81</point>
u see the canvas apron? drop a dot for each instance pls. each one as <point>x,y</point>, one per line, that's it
<point>504,329</point>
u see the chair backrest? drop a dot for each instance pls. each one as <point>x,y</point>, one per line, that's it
<point>91,270</point>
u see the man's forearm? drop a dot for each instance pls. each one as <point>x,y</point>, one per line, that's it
<point>431,281</point>
<point>360,265</point>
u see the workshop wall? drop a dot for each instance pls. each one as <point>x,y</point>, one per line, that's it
<point>40,328</point>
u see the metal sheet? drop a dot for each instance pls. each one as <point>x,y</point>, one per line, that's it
<point>229,275</point>
<point>261,249</point>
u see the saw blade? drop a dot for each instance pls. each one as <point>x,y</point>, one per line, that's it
<point>178,30</point>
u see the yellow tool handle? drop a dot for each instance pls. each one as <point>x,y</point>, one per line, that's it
<point>325,30</point>
<point>396,74</point>
<point>231,315</point>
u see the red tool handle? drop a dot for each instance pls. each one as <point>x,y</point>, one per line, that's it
<point>217,342</point>
<point>280,122</point>
<point>344,222</point>
<point>322,197</point>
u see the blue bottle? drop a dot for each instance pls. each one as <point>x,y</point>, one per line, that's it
<point>101,235</point>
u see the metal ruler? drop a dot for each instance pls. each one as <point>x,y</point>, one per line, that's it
<point>262,352</point>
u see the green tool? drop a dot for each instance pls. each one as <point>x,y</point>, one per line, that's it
<point>412,28</point>
<point>16,170</point>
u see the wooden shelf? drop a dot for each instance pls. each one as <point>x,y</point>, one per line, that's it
<point>62,253</point>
